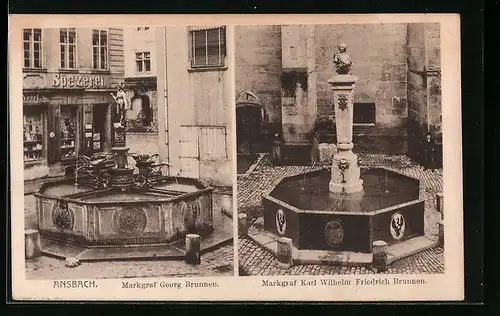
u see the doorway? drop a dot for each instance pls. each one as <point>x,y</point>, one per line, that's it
<point>250,117</point>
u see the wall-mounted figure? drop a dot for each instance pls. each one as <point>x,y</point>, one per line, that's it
<point>121,102</point>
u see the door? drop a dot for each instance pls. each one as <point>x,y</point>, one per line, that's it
<point>249,128</point>
<point>189,156</point>
<point>99,137</point>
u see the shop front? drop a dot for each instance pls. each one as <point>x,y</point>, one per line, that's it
<point>72,116</point>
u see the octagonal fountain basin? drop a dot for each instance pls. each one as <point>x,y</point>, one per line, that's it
<point>79,215</point>
<point>301,207</point>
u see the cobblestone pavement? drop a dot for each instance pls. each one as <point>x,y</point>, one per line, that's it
<point>253,260</point>
<point>256,261</point>
<point>216,263</point>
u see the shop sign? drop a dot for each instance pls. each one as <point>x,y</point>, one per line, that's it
<point>79,81</point>
<point>35,99</point>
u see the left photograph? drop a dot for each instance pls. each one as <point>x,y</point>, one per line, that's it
<point>127,152</point>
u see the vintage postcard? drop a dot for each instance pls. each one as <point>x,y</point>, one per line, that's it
<point>236,158</point>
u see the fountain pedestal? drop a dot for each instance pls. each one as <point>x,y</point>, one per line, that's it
<point>345,169</point>
<point>121,175</point>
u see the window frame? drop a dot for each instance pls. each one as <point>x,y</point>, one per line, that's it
<point>143,62</point>
<point>66,49</point>
<point>99,46</point>
<point>32,51</point>
<point>222,49</point>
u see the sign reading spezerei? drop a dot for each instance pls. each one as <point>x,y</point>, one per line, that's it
<point>78,81</point>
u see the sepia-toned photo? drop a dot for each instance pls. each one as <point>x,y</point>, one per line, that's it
<point>235,158</point>
<point>127,163</point>
<point>339,145</point>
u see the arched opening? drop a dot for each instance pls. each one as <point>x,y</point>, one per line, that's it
<point>250,116</point>
<point>140,114</point>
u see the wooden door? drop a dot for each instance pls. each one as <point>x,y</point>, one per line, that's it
<point>189,156</point>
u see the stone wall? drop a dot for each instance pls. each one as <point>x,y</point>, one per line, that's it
<point>258,65</point>
<point>378,53</point>
<point>424,87</point>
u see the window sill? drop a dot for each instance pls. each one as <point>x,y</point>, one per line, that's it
<point>145,130</point>
<point>204,69</point>
<point>143,74</point>
<point>363,124</point>
<point>35,70</point>
<point>68,70</point>
<point>99,71</point>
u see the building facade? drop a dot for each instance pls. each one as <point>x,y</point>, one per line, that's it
<point>178,83</point>
<point>141,89</point>
<point>68,75</point>
<point>397,96</point>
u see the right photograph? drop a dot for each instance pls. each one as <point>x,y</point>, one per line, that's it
<point>339,149</point>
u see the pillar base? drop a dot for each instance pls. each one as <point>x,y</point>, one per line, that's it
<point>348,180</point>
<point>348,188</point>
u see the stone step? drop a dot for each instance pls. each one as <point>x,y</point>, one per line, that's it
<point>409,247</point>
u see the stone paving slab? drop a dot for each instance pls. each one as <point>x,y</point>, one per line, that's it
<point>409,247</point>
<point>60,250</point>
<point>167,252</point>
<point>216,263</point>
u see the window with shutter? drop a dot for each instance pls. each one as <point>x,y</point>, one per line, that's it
<point>208,47</point>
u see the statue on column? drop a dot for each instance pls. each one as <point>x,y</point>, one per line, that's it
<point>121,103</point>
<point>342,61</point>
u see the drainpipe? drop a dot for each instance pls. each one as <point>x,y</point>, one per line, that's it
<point>426,60</point>
<point>165,87</point>
<point>162,102</point>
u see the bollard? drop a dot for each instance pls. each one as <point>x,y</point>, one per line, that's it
<point>71,262</point>
<point>227,205</point>
<point>242,224</point>
<point>192,255</point>
<point>379,255</point>
<point>440,204</point>
<point>284,253</point>
<point>441,233</point>
<point>32,246</point>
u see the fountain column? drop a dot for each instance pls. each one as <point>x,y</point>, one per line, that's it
<point>345,169</point>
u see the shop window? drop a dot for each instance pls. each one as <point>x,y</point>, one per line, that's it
<point>32,47</point>
<point>364,114</point>
<point>33,136</point>
<point>100,49</point>
<point>208,47</point>
<point>140,116</point>
<point>67,39</point>
<point>143,62</point>
<point>68,132</point>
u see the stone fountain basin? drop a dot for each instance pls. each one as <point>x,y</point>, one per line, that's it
<point>319,220</point>
<point>104,217</point>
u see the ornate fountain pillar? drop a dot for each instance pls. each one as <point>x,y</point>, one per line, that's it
<point>345,169</point>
